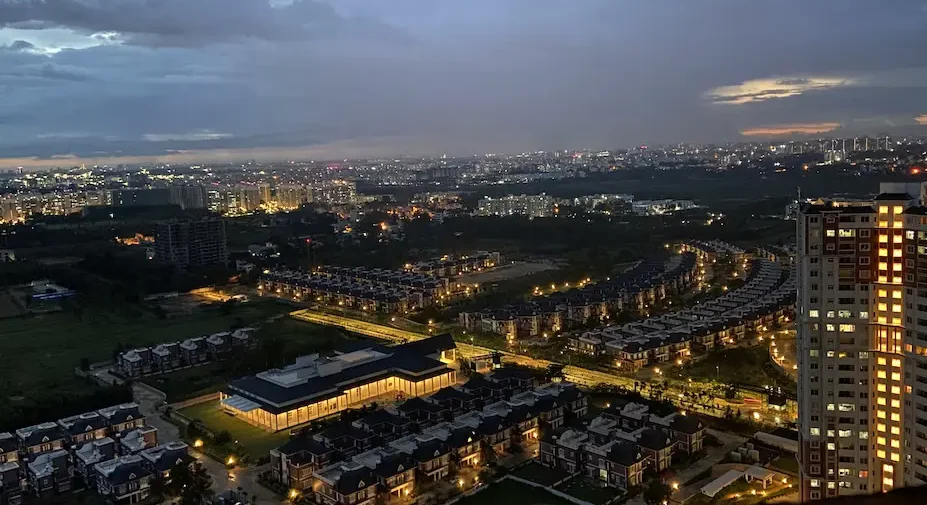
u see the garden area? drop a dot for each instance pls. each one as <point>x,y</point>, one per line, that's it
<point>747,365</point>
<point>510,492</point>
<point>242,439</point>
<point>589,490</point>
<point>536,472</point>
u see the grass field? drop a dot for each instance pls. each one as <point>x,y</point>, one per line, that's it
<point>514,493</point>
<point>256,442</point>
<point>588,490</point>
<point>41,352</point>
<point>749,365</point>
<point>536,472</point>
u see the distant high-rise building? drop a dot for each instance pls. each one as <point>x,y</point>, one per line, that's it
<point>336,192</point>
<point>141,197</point>
<point>189,196</point>
<point>192,243</point>
<point>862,343</point>
<point>292,196</point>
<point>526,205</point>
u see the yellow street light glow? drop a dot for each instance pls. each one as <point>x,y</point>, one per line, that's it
<point>198,443</point>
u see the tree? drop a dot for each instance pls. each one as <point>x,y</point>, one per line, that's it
<point>657,492</point>
<point>198,489</point>
<point>158,489</point>
<point>223,437</point>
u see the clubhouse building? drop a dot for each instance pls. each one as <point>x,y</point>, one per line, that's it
<point>315,386</point>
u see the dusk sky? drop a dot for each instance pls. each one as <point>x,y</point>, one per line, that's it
<point>105,81</point>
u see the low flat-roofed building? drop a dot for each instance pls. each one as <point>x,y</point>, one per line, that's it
<point>316,386</point>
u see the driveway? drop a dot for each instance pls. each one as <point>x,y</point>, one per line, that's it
<point>245,478</point>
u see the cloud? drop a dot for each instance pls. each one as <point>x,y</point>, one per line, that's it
<point>188,136</point>
<point>922,119</point>
<point>758,90</point>
<point>791,129</point>
<point>181,22</point>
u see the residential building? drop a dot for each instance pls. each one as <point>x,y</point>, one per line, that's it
<point>192,243</point>
<point>161,459</point>
<point>862,334</point>
<point>38,439</point>
<point>49,473</point>
<point>87,456</point>
<point>125,479</point>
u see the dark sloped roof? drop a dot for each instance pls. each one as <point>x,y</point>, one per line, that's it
<point>432,345</point>
<point>427,451</point>
<point>686,424</point>
<point>303,443</point>
<point>125,473</point>
<point>355,480</point>
<point>625,454</point>
<point>393,465</point>
<point>655,439</point>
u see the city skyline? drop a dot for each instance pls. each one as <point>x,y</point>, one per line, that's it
<point>120,82</point>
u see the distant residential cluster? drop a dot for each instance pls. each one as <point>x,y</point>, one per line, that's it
<point>543,205</point>
<point>190,352</point>
<point>372,289</point>
<point>531,206</point>
<point>453,266</point>
<point>625,440</point>
<point>234,199</point>
<point>111,451</point>
<point>766,298</point>
<point>642,284</point>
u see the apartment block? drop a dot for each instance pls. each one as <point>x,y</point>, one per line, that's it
<point>862,333</point>
<point>192,243</point>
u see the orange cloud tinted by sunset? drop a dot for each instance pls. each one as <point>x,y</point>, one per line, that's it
<point>922,119</point>
<point>790,129</point>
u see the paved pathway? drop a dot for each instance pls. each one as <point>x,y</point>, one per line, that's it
<point>246,478</point>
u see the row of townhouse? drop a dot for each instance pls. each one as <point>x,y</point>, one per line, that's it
<point>44,459</point>
<point>712,251</point>
<point>617,447</point>
<point>383,454</point>
<point>767,297</point>
<point>341,291</point>
<point>192,351</point>
<point>454,266</point>
<point>640,286</point>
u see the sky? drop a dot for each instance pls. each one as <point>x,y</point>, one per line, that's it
<point>110,81</point>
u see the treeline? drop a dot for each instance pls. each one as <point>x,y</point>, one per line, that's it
<point>21,412</point>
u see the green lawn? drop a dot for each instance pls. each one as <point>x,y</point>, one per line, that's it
<point>40,353</point>
<point>588,490</point>
<point>256,442</point>
<point>749,365</point>
<point>510,492</point>
<point>786,463</point>
<point>536,472</point>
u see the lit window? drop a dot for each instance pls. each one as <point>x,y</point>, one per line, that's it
<point>881,400</point>
<point>883,209</point>
<point>846,233</point>
<point>896,444</point>
<point>896,308</point>
<point>896,362</point>
<point>815,483</point>
<point>896,417</point>
<point>880,427</point>
<point>896,376</point>
<point>896,390</point>
<point>883,293</point>
<point>830,354</point>
<point>896,267</point>
<point>896,430</point>
<point>896,253</point>
<point>898,209</point>
<point>831,446</point>
<point>880,414</point>
<point>863,354</point>
<point>831,314</point>
<point>830,406</point>
<point>880,453</point>
<point>896,456</point>
<point>830,327</point>
<point>846,407</point>
<point>881,374</point>
<point>847,328</point>
<point>897,239</point>
<point>844,433</point>
<point>883,265</point>
<point>814,313</point>
<point>881,387</point>
<point>882,361</point>
<point>883,306</point>
<point>831,485</point>
<point>815,432</point>
<point>814,353</point>
<point>830,233</point>
<point>864,435</point>
<point>845,313</point>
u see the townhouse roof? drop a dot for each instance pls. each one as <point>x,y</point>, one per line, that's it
<point>686,424</point>
<point>97,450</point>
<point>394,464</point>
<point>123,470</point>
<point>625,453</point>
<point>429,450</point>
<point>511,372</point>
<point>89,421</point>
<point>49,463</point>
<point>166,456</point>
<point>8,443</point>
<point>351,481</point>
<point>450,393</point>
<point>123,413</point>
<point>303,443</point>
<point>39,434</point>
<point>654,439</point>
